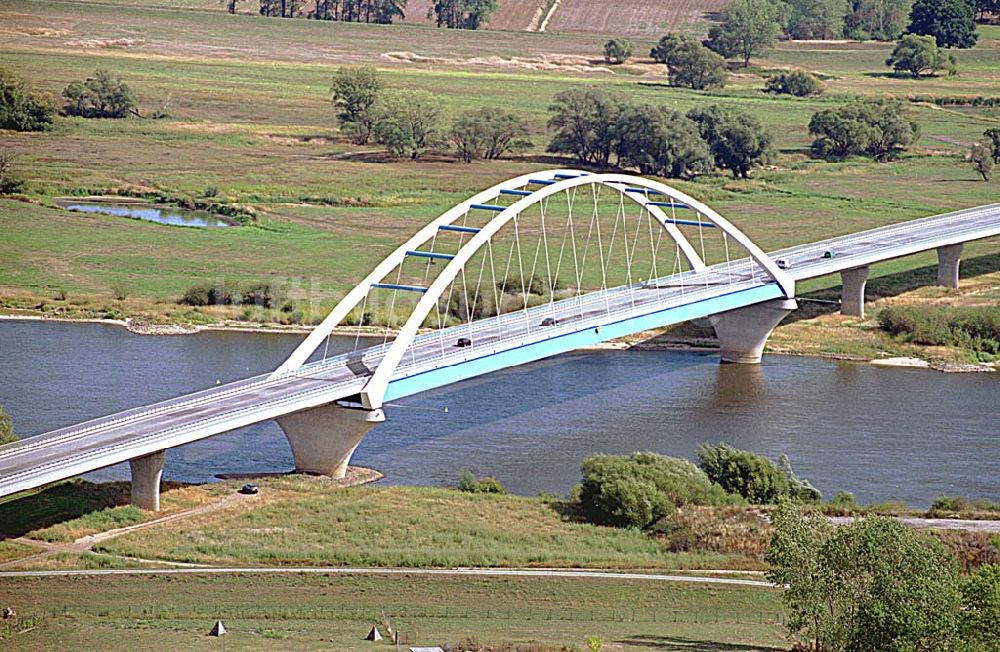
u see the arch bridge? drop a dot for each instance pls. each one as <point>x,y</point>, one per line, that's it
<point>532,267</point>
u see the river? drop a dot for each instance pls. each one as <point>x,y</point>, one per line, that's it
<point>881,433</point>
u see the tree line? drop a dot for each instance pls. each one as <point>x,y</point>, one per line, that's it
<point>457,14</point>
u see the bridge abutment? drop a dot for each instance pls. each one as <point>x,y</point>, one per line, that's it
<point>743,332</point>
<point>949,258</point>
<point>146,474</point>
<point>852,294</point>
<point>324,438</point>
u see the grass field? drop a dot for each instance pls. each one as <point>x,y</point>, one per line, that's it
<point>250,115</point>
<point>295,612</point>
<point>297,522</point>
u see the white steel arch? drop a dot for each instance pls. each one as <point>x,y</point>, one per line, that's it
<point>374,391</point>
<point>353,298</point>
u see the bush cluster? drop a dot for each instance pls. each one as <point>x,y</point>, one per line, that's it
<point>974,328</point>
<point>231,293</point>
<point>689,63</point>
<point>638,490</point>
<point>103,95</point>
<point>468,482</point>
<point>411,122</point>
<point>797,83</point>
<point>870,127</point>
<point>596,127</point>
<point>956,100</point>
<point>755,477</point>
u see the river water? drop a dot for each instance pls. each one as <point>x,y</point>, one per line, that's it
<point>881,433</point>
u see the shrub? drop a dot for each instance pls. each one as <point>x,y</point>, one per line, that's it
<point>618,50</point>
<point>736,139</point>
<point>584,120</point>
<point>752,476</point>
<point>919,55</point>
<point>21,108</point>
<point>689,63</point>
<point>873,127</point>
<point>262,293</point>
<point>992,136</point>
<point>468,482</point>
<point>981,157</point>
<point>638,490</point>
<point>488,133</point>
<point>797,83</point>
<point>408,123</point>
<point>102,96</point>
<point>7,435</point>
<point>10,181</point>
<point>981,616</point>
<point>355,92</point>
<point>729,530</point>
<point>974,328</point>
<point>843,502</point>
<point>658,140</point>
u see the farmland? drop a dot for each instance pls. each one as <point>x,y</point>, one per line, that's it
<point>636,18</point>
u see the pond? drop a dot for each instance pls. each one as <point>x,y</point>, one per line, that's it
<point>158,213</point>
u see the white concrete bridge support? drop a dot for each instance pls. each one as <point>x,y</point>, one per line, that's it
<point>743,332</point>
<point>146,474</point>
<point>324,438</point>
<point>852,295</point>
<point>948,260</point>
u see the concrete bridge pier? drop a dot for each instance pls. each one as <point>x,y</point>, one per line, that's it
<point>948,259</point>
<point>324,438</point>
<point>852,294</point>
<point>743,332</point>
<point>146,474</point>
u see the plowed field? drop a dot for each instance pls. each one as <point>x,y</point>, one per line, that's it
<point>512,14</point>
<point>632,17</point>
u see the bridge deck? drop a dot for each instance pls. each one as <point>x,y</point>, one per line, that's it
<point>434,360</point>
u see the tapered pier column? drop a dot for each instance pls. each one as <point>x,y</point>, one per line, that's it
<point>324,438</point>
<point>852,295</point>
<point>743,332</point>
<point>948,260</point>
<point>146,474</point>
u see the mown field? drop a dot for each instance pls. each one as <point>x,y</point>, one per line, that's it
<point>250,116</point>
<point>295,612</point>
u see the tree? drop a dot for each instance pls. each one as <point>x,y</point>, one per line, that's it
<point>462,14</point>
<point>660,141</point>
<point>408,123</point>
<point>875,127</point>
<point>985,7</point>
<point>874,584</point>
<point>638,490</point>
<point>920,54</point>
<point>797,83</point>
<point>817,19</point>
<point>749,27</point>
<point>981,157</point>
<point>355,92</point>
<point>104,95</point>
<point>488,133</point>
<point>7,435</point>
<point>21,108</point>
<point>689,63</point>
<point>618,50</point>
<point>736,139</point>
<point>951,22</point>
<point>585,123</point>
<point>992,136</point>
<point>882,20</point>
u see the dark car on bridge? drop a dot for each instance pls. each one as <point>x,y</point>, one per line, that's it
<point>549,321</point>
<point>463,342</point>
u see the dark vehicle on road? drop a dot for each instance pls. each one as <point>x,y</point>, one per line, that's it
<point>549,321</point>
<point>783,264</point>
<point>829,253</point>
<point>249,489</point>
<point>463,342</point>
